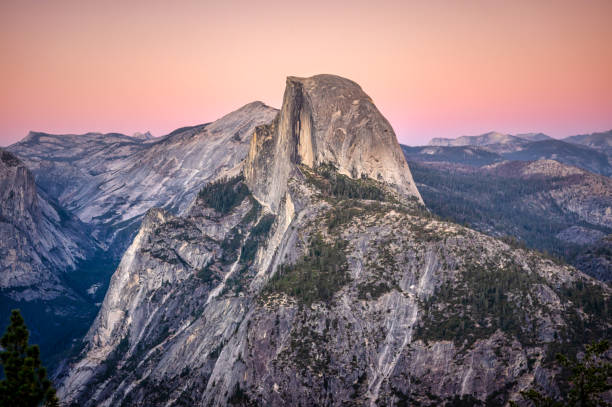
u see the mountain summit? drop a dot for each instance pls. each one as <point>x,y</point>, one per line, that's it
<point>325,119</point>
<point>312,275</point>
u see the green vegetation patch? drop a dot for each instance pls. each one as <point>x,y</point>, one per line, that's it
<point>225,194</point>
<point>589,317</point>
<point>321,273</point>
<point>258,235</point>
<point>207,274</point>
<point>372,290</point>
<point>331,183</point>
<point>486,299</point>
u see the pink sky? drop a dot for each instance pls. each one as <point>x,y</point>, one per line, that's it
<point>434,68</point>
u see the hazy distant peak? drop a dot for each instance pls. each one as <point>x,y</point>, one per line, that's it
<point>492,137</point>
<point>143,136</point>
<point>600,140</point>
<point>533,136</point>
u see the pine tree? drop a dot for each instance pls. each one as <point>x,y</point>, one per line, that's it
<point>590,379</point>
<point>25,382</point>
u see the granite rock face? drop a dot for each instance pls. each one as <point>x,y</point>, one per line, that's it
<point>39,241</point>
<point>189,320</point>
<point>326,119</point>
<point>67,219</point>
<point>109,181</point>
<point>309,284</point>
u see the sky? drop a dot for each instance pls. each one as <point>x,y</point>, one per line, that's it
<point>434,68</point>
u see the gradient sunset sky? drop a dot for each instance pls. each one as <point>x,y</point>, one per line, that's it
<point>433,68</point>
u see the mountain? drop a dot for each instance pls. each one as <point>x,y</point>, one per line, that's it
<point>590,152</point>
<point>485,139</point>
<point>110,180</point>
<point>315,276</point>
<point>567,153</point>
<point>39,238</point>
<point>42,248</point>
<point>490,138</point>
<point>533,136</point>
<point>467,155</point>
<point>599,141</point>
<point>492,141</point>
<point>350,133</point>
<point>82,198</point>
<point>147,136</point>
<point>547,205</point>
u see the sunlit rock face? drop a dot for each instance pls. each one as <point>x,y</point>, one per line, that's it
<point>110,180</point>
<point>326,119</point>
<point>74,203</point>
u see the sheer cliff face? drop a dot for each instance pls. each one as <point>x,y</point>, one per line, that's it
<point>337,290</point>
<point>38,241</point>
<point>326,119</point>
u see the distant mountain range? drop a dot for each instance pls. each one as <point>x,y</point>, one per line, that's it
<point>599,141</point>
<point>545,193</point>
<point>496,141</point>
<point>591,152</point>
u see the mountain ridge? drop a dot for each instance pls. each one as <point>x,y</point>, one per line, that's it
<point>109,181</point>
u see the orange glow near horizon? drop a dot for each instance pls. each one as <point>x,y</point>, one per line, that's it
<point>434,68</point>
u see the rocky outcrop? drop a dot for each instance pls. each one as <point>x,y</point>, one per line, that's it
<point>325,119</point>
<point>337,290</point>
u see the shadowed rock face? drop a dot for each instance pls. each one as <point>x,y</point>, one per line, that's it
<point>326,119</point>
<point>38,241</point>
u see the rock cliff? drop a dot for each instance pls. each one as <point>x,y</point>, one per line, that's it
<point>336,291</point>
<point>325,119</point>
<point>39,240</point>
<point>72,216</point>
<point>42,249</point>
